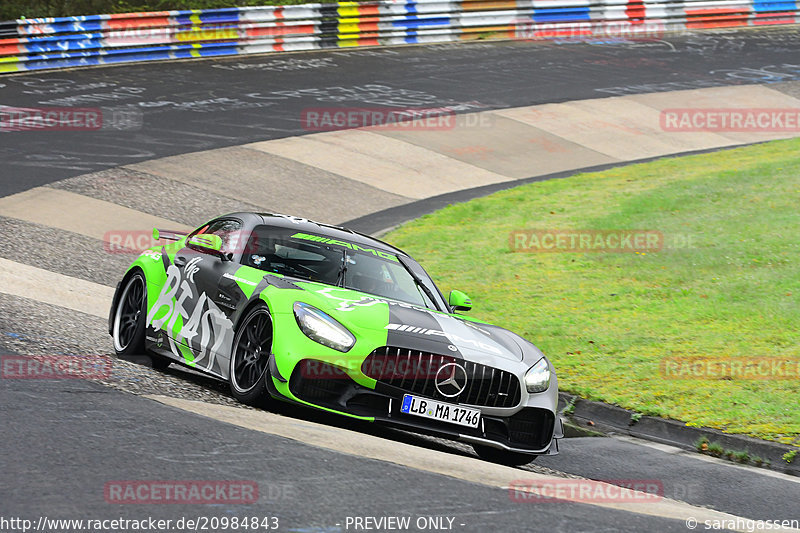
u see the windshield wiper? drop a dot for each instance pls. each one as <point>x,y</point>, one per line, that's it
<point>418,281</point>
<point>340,276</point>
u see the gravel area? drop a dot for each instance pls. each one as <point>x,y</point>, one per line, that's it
<point>61,251</point>
<point>792,88</point>
<point>154,195</point>
<point>272,182</point>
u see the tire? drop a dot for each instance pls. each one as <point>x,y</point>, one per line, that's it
<point>129,317</point>
<point>503,457</point>
<point>128,330</point>
<point>252,345</point>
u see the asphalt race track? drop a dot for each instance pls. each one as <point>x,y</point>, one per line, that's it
<point>199,105</point>
<point>63,441</point>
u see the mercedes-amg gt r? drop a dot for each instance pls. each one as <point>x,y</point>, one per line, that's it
<point>284,307</point>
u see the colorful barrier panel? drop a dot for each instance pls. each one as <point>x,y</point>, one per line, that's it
<point>47,43</point>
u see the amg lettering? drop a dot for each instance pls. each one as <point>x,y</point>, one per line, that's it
<point>344,244</point>
<point>455,339</point>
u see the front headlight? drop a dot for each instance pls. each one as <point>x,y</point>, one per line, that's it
<point>321,328</point>
<point>537,378</point>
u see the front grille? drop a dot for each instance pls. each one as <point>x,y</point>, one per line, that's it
<point>414,372</point>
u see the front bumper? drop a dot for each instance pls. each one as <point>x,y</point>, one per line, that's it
<point>526,429</point>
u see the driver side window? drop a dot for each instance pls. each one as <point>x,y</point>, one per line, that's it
<point>229,230</point>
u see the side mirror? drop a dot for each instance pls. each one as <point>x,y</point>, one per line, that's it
<point>208,243</point>
<point>459,301</point>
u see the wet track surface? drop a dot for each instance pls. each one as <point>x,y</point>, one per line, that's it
<point>63,440</point>
<point>193,106</point>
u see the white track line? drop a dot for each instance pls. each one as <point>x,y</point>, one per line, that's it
<point>80,214</point>
<point>26,281</point>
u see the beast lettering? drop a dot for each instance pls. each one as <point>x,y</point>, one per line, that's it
<point>204,319</point>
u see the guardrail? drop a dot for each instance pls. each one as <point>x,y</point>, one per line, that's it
<point>34,44</point>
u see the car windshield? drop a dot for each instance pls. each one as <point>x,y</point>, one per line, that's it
<point>334,262</point>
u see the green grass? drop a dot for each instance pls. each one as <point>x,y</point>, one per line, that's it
<point>606,320</point>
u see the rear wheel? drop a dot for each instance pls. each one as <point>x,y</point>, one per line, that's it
<point>503,457</point>
<point>128,331</point>
<point>250,356</point>
<point>129,321</point>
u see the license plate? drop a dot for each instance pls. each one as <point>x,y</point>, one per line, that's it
<point>446,412</point>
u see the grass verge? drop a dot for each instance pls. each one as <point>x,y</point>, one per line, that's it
<point>725,287</point>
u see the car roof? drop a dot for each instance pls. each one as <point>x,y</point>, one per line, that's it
<point>318,228</point>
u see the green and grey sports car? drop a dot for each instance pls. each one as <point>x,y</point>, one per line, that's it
<point>323,316</point>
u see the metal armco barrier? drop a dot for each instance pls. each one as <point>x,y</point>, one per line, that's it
<point>47,43</point>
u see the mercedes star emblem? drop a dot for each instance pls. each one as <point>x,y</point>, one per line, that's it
<point>451,380</point>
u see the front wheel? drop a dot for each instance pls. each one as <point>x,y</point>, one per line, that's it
<point>250,356</point>
<point>503,457</point>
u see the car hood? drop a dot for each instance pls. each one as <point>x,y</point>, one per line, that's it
<point>416,328</point>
